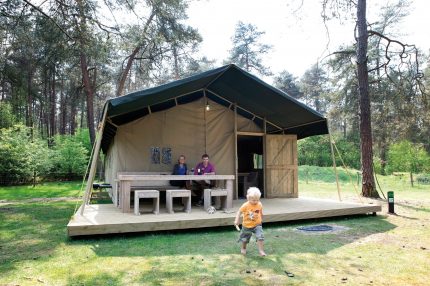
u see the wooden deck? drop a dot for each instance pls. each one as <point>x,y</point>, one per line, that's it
<point>106,218</point>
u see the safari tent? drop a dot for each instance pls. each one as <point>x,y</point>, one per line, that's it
<point>222,112</point>
<point>244,124</point>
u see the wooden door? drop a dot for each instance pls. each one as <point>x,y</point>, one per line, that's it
<point>281,166</point>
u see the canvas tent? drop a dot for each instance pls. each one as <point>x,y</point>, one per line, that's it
<point>173,118</point>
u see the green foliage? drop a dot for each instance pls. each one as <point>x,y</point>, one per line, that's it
<point>14,160</point>
<point>24,159</point>
<point>286,82</point>
<point>247,49</point>
<point>316,151</point>
<point>423,179</point>
<point>21,158</point>
<point>325,174</point>
<point>7,119</point>
<point>82,136</point>
<point>407,157</point>
<point>70,157</point>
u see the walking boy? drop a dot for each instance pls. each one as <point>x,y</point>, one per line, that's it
<point>252,212</point>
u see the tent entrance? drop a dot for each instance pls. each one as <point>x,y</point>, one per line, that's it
<point>250,163</point>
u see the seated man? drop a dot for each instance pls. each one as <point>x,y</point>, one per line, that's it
<point>203,168</point>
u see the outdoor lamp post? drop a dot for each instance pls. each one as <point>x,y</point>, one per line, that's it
<point>390,196</point>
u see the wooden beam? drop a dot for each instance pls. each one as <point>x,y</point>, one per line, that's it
<point>245,133</point>
<point>95,156</point>
<point>264,156</point>
<point>253,114</point>
<point>236,158</point>
<point>334,166</point>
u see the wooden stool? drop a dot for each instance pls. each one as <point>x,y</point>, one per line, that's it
<point>223,198</point>
<point>184,194</point>
<point>147,194</point>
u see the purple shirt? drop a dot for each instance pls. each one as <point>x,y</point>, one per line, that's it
<point>204,170</point>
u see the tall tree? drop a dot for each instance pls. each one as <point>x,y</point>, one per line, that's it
<point>403,57</point>
<point>248,49</point>
<point>366,143</point>
<point>313,86</point>
<point>161,35</point>
<point>287,82</point>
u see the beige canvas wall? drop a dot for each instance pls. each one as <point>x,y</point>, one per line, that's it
<point>187,129</point>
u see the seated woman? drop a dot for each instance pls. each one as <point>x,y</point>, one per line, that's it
<point>180,169</point>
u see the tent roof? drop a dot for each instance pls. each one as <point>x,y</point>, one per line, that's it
<point>229,84</point>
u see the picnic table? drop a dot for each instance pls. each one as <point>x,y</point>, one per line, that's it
<point>125,181</point>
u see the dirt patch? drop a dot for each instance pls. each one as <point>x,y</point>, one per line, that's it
<point>38,200</point>
<point>334,229</point>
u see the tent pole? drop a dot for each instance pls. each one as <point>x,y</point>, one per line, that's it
<point>94,161</point>
<point>334,165</point>
<point>236,158</point>
<point>264,155</point>
<point>205,101</point>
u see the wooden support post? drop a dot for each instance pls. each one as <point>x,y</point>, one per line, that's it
<point>236,158</point>
<point>334,166</point>
<point>264,157</point>
<point>95,156</point>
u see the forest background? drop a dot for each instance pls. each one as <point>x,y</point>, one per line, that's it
<point>61,60</point>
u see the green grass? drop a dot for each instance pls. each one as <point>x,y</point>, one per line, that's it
<point>381,250</point>
<point>45,190</point>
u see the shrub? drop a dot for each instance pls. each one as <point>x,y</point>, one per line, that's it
<point>7,118</point>
<point>316,151</point>
<point>423,179</point>
<point>21,157</point>
<point>69,158</point>
<point>407,157</point>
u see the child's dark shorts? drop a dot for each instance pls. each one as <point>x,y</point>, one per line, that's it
<point>246,233</point>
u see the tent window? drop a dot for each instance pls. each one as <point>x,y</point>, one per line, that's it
<point>258,161</point>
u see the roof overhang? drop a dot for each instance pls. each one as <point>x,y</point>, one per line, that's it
<point>228,85</point>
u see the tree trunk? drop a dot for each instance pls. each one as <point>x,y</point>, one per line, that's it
<point>29,113</point>
<point>126,71</point>
<point>90,97</point>
<point>73,107</point>
<point>176,62</point>
<point>85,72</point>
<point>412,179</point>
<point>63,109</point>
<point>368,181</point>
<point>53,105</point>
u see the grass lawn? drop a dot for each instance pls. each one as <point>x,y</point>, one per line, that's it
<point>45,190</point>
<point>381,250</point>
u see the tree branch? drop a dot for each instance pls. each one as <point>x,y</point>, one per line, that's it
<point>49,18</point>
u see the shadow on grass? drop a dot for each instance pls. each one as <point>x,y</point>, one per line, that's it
<point>280,237</point>
<point>100,279</point>
<point>31,231</point>
<point>34,231</point>
<point>418,209</point>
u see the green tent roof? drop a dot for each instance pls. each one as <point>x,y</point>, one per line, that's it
<point>255,100</point>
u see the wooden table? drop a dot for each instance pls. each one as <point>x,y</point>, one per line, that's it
<point>126,180</point>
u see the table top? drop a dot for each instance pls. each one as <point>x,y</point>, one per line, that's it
<point>134,177</point>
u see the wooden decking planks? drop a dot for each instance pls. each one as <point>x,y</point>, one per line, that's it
<point>106,218</point>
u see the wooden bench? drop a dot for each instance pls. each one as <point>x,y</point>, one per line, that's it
<point>147,194</point>
<point>223,198</point>
<point>186,199</point>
